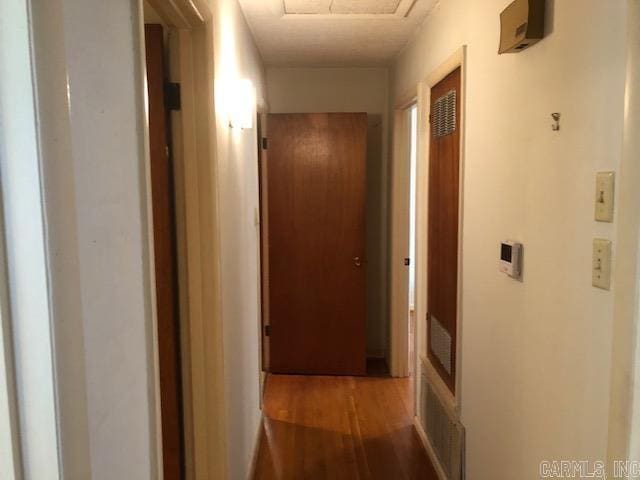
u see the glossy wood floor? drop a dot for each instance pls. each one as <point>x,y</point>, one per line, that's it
<point>340,428</point>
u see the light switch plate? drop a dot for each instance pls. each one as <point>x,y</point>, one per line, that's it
<point>601,268</point>
<point>604,196</point>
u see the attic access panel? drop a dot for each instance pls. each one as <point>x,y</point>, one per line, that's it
<point>342,7</point>
<point>373,7</point>
<point>307,7</point>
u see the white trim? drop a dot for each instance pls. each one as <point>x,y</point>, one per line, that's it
<point>11,466</point>
<point>426,444</point>
<point>26,246</point>
<point>256,449</point>
<point>624,408</point>
<point>59,194</point>
<point>400,225</point>
<point>457,60</point>
<point>155,431</point>
<point>630,163</point>
<point>203,375</point>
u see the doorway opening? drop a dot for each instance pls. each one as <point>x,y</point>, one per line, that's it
<point>413,167</point>
<point>404,227</point>
<point>165,248</point>
<point>188,369</point>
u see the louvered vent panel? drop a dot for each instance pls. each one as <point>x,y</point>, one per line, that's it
<point>444,432</point>
<point>443,117</point>
<point>440,343</point>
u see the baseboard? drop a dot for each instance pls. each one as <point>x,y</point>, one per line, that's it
<point>429,449</point>
<point>377,354</point>
<point>256,449</point>
<point>263,387</point>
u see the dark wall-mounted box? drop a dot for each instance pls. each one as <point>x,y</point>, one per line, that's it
<point>521,25</point>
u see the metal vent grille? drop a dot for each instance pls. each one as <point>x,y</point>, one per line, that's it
<point>440,343</point>
<point>443,117</point>
<point>443,431</point>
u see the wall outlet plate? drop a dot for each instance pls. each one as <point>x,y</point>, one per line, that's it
<point>604,196</point>
<point>601,268</point>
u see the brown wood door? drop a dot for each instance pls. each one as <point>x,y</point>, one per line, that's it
<point>165,259</point>
<point>264,237</point>
<point>444,188</point>
<point>316,242</point>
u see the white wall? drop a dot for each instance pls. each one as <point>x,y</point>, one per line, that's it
<point>24,231</point>
<point>91,106</point>
<point>536,355</point>
<point>91,90</point>
<point>301,90</point>
<point>236,57</point>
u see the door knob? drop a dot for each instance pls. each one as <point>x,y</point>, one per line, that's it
<point>357,261</point>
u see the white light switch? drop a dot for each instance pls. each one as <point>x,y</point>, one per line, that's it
<point>601,269</point>
<point>604,196</point>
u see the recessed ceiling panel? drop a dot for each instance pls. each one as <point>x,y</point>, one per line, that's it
<point>341,7</point>
<point>306,7</point>
<point>369,7</point>
<point>312,33</point>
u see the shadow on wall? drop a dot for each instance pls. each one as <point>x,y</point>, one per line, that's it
<point>375,223</point>
<point>549,20</point>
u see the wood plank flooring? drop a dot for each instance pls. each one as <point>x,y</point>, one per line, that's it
<point>340,428</point>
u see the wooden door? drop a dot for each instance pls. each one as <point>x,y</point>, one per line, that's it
<point>444,190</point>
<point>165,259</point>
<point>316,242</point>
<point>264,238</point>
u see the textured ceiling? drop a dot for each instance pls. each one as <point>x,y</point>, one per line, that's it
<point>333,32</point>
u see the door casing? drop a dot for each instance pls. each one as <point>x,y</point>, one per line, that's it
<point>399,240</point>
<point>191,57</point>
<point>456,60</point>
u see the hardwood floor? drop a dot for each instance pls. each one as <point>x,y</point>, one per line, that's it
<point>340,428</point>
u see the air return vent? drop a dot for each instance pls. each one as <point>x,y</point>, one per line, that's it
<point>443,115</point>
<point>440,343</point>
<point>444,432</point>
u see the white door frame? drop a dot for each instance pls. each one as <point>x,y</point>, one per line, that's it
<point>421,95</point>
<point>11,465</point>
<point>400,228</point>
<point>29,413</point>
<point>191,57</point>
<point>456,60</point>
<point>624,409</point>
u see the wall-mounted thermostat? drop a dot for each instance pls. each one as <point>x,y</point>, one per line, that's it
<point>510,258</point>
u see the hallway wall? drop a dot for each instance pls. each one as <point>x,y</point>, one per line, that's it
<point>91,122</point>
<point>92,114</point>
<point>302,90</point>
<point>536,354</point>
<point>235,58</point>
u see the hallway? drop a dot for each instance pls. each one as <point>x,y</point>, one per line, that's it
<point>203,200</point>
<point>340,428</point>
